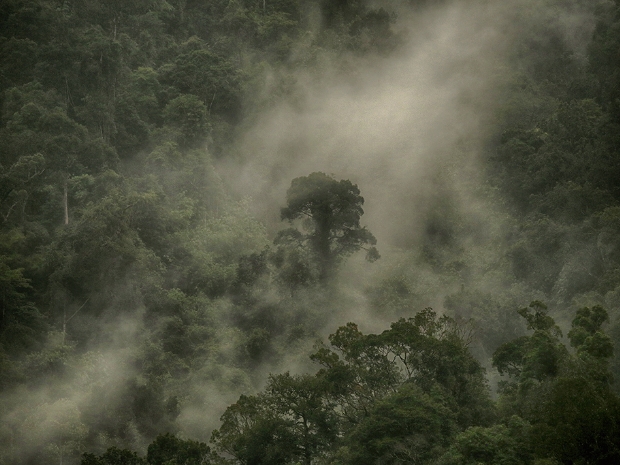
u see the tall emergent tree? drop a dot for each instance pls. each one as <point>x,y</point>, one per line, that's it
<point>330,211</point>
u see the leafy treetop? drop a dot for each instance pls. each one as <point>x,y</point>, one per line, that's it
<point>331,212</point>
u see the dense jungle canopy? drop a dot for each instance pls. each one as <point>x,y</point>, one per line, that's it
<point>188,189</point>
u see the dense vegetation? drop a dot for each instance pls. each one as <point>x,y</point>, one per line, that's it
<point>144,303</point>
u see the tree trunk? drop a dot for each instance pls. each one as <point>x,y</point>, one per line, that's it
<point>65,199</point>
<point>322,248</point>
<point>64,323</point>
<point>307,453</point>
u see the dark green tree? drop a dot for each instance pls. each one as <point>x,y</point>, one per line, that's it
<point>302,402</point>
<point>330,211</point>
<point>290,421</point>
<point>408,426</point>
<point>168,449</point>
<point>432,351</point>
<point>113,456</point>
<point>21,324</point>
<point>536,357</point>
<point>501,444</point>
<point>425,350</point>
<point>567,399</point>
<point>358,372</point>
<point>253,434</point>
<point>188,116</point>
<point>586,334</point>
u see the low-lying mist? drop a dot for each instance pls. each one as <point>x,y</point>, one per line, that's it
<point>412,128</point>
<point>389,124</point>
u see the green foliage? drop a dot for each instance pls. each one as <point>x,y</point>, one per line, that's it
<point>533,357</point>
<point>408,425</point>
<point>586,336</point>
<point>290,421</point>
<point>210,77</point>
<point>21,324</point>
<point>116,233</point>
<point>330,211</point>
<point>580,422</point>
<point>425,350</point>
<point>358,371</point>
<point>311,423</point>
<point>501,444</point>
<point>252,435</point>
<point>113,456</point>
<point>394,396</point>
<point>168,449</point>
<point>213,250</point>
<point>164,450</point>
<point>187,114</point>
<point>538,320</point>
<point>566,398</point>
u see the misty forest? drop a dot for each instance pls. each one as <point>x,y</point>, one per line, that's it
<point>348,232</point>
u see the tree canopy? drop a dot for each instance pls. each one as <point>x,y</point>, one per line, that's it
<point>330,213</point>
<point>140,294</point>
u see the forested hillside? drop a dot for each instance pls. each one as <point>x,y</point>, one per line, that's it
<point>309,231</point>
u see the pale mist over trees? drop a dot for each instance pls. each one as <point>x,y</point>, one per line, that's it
<point>309,232</point>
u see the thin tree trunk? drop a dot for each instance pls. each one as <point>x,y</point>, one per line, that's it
<point>64,323</point>
<point>307,454</point>
<point>322,249</point>
<point>65,199</point>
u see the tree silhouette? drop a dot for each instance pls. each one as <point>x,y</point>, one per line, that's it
<point>330,211</point>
